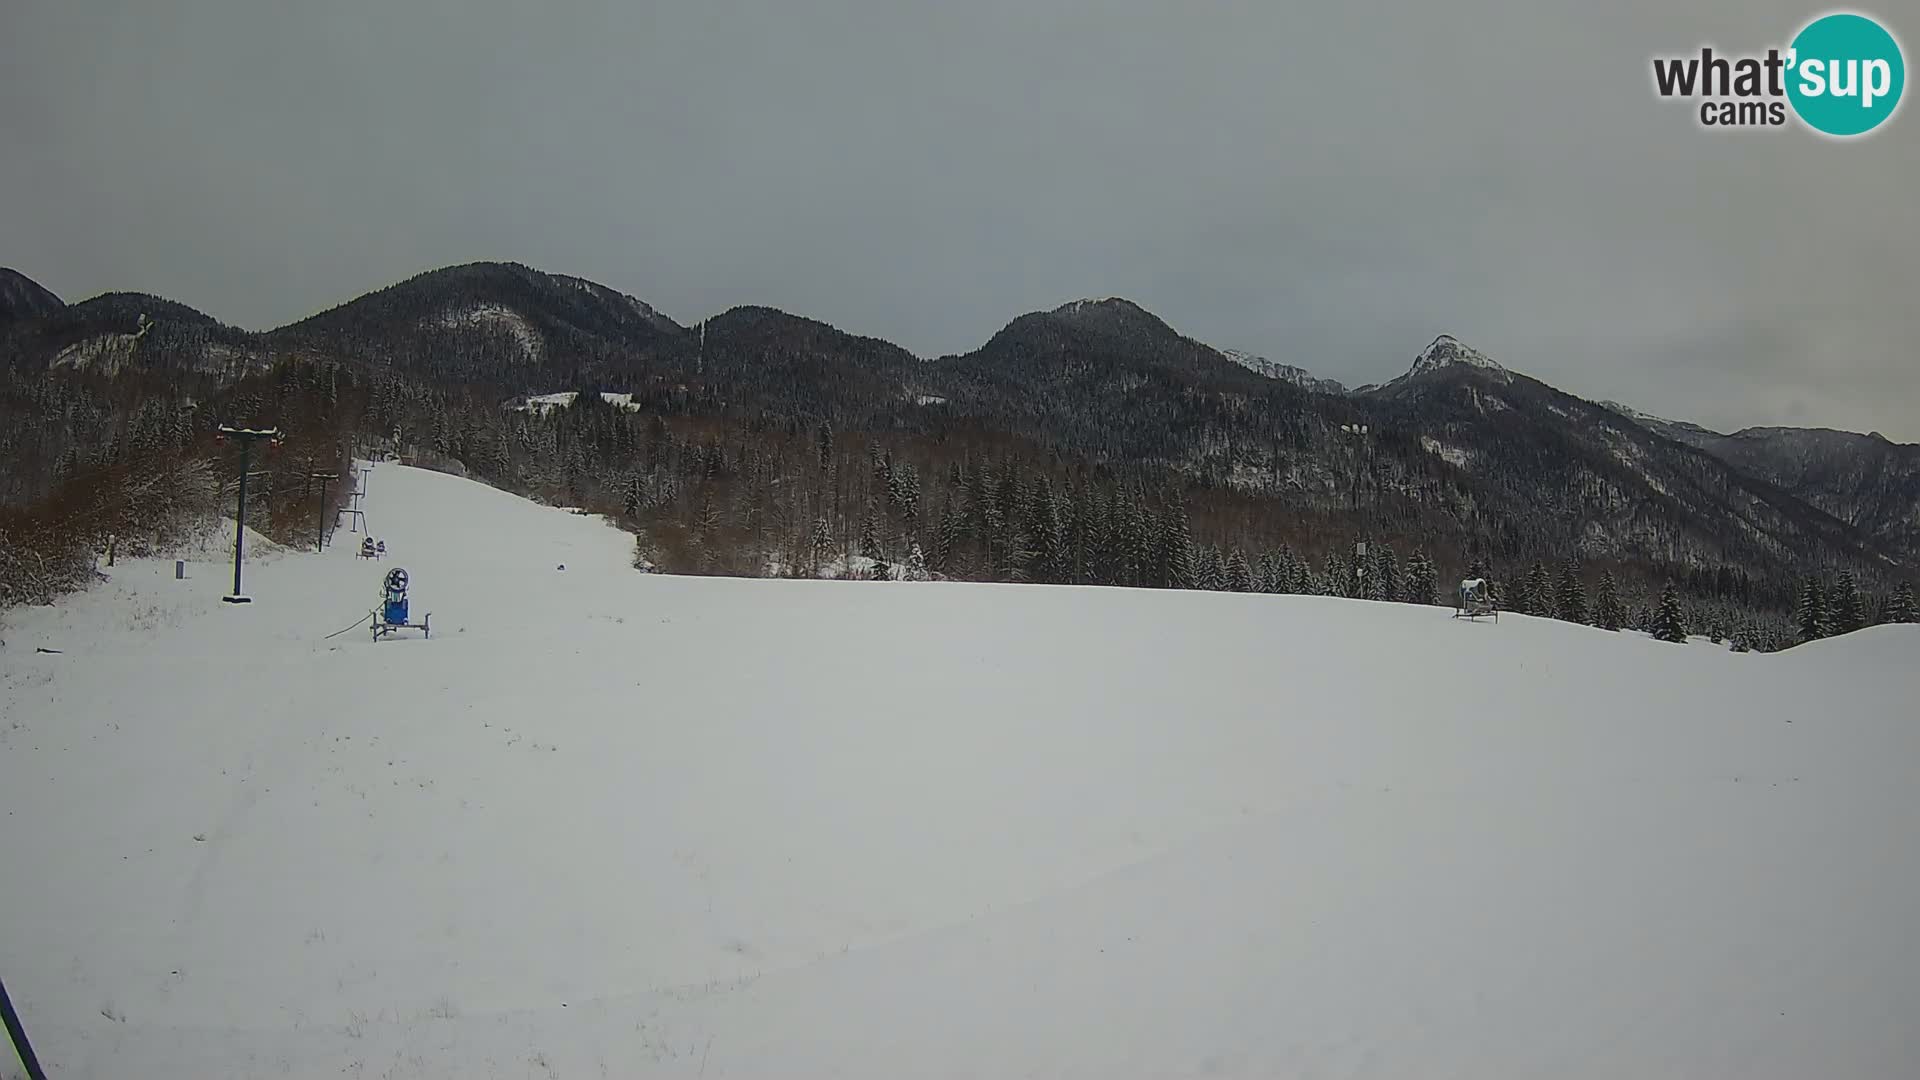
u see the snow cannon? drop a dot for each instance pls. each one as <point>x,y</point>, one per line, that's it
<point>393,607</point>
<point>1476,600</point>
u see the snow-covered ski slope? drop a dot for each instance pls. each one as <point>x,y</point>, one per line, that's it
<point>608,824</point>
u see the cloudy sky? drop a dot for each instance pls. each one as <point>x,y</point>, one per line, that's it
<point>1329,186</point>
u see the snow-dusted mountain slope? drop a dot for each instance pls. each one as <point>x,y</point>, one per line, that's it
<point>613,824</point>
<point>1298,376</point>
<point>1446,352</point>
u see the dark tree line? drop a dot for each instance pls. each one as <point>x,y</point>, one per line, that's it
<point>1091,445</point>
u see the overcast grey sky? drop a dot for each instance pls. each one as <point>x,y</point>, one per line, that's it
<point>1329,186</point>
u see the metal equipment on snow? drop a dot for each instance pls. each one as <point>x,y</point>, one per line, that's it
<point>392,615</point>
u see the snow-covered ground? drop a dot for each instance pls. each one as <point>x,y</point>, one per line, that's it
<point>546,403</point>
<point>609,824</point>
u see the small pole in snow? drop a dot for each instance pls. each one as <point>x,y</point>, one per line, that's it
<point>19,1035</point>
<point>246,437</point>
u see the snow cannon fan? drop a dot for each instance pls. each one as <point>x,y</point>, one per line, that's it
<point>394,600</point>
<point>392,616</point>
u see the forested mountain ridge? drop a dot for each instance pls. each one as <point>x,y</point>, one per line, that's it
<point>118,331</point>
<point>21,297</point>
<point>1865,480</point>
<point>488,322</point>
<point>736,446</point>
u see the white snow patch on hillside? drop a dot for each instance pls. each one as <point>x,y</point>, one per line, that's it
<point>496,317</point>
<point>545,403</point>
<point>1288,373</point>
<point>929,399</point>
<point>104,354</point>
<point>607,823</point>
<point>1453,455</point>
<point>1629,452</point>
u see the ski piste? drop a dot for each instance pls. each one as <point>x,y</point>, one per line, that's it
<point>808,828</point>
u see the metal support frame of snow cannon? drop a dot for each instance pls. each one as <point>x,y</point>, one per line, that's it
<point>1475,600</point>
<point>391,616</point>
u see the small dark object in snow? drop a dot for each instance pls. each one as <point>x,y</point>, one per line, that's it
<point>562,566</point>
<point>55,652</point>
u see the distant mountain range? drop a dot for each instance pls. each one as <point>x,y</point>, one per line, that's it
<point>1459,445</point>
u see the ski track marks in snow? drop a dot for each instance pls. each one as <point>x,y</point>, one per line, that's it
<point>613,824</point>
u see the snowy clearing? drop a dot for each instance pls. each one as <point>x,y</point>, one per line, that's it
<point>546,403</point>
<point>496,317</point>
<point>1453,455</point>
<point>607,823</point>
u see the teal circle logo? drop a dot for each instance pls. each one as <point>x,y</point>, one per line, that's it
<point>1845,75</point>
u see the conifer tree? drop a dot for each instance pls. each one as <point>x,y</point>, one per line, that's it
<point>1843,606</point>
<point>1212,570</point>
<point>947,537</point>
<point>1336,579</point>
<point>819,545</point>
<point>1900,609</point>
<point>1239,574</point>
<point>906,490</point>
<point>883,486</point>
<point>1267,575</point>
<point>1383,581</point>
<point>1668,622</point>
<point>870,543</point>
<point>631,502</point>
<point>1606,609</point>
<point>1536,597</point>
<point>1043,535</point>
<point>1296,573</point>
<point>1477,568</point>
<point>1143,564</point>
<point>1422,584</point>
<point>1811,615</point>
<point>1176,569</point>
<point>1573,593</point>
<point>1076,534</point>
<point>823,446</point>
